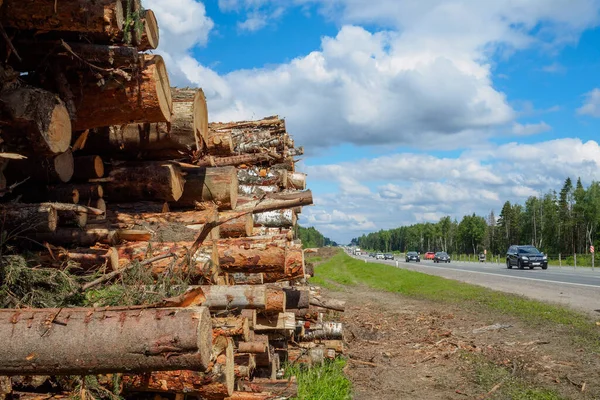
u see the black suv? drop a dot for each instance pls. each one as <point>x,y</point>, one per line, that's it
<point>441,256</point>
<point>388,256</point>
<point>525,256</point>
<point>413,256</point>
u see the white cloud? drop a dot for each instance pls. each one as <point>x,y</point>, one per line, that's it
<point>554,68</point>
<point>183,25</point>
<point>254,22</point>
<point>427,80</point>
<point>419,187</point>
<point>530,129</point>
<point>592,104</point>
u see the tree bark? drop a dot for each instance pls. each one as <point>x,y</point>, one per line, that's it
<point>235,161</point>
<point>276,219</point>
<point>95,341</point>
<point>263,177</point>
<point>144,181</point>
<point>276,201</point>
<point>235,227</point>
<point>90,236</point>
<point>36,120</point>
<point>216,383</point>
<point>78,55</point>
<point>252,347</point>
<point>199,267</point>
<point>264,231</point>
<point>88,167</point>
<point>324,330</point>
<point>183,218</point>
<point>267,300</point>
<point>251,255</point>
<point>257,191</point>
<point>218,185</point>
<point>247,132</point>
<point>20,218</point>
<point>296,181</point>
<point>147,99</point>
<point>240,278</point>
<point>330,304</point>
<point>102,20</point>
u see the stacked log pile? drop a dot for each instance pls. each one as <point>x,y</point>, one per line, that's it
<point>104,168</point>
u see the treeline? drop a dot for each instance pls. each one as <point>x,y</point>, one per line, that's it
<point>565,222</point>
<point>312,238</point>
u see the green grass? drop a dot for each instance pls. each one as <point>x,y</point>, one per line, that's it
<point>345,270</point>
<point>326,382</point>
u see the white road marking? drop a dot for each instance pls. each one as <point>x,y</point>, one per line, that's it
<point>514,277</point>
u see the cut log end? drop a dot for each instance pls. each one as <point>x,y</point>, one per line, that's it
<point>230,367</point>
<point>204,334</point>
<point>200,118</point>
<point>60,122</point>
<point>163,88</point>
<point>64,166</point>
<point>151,36</point>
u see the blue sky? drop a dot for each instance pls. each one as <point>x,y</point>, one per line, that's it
<point>408,109</point>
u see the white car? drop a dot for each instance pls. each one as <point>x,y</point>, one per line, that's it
<point>380,256</point>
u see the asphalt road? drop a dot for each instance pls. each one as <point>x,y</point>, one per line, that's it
<point>578,288</point>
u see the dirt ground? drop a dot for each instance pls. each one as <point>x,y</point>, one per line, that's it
<point>402,348</point>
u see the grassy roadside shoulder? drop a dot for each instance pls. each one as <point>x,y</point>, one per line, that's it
<point>345,270</point>
<point>495,379</point>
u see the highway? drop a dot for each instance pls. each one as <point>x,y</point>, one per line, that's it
<point>579,288</point>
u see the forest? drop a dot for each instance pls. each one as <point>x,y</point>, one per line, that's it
<point>556,223</point>
<point>312,238</point>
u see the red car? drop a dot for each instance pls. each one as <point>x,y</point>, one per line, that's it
<point>430,255</point>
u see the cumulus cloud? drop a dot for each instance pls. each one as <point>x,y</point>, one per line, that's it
<point>591,106</point>
<point>426,80</point>
<point>530,129</point>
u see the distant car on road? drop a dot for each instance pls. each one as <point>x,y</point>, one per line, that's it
<point>441,256</point>
<point>481,257</point>
<point>525,256</point>
<point>412,256</point>
<point>379,256</point>
<point>388,256</point>
<point>371,254</point>
<point>430,255</point>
